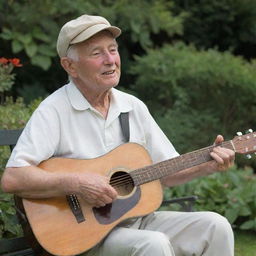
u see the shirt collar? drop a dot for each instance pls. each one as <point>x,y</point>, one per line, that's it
<point>76,98</point>
<point>118,100</point>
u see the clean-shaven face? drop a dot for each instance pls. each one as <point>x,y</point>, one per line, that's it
<point>98,64</point>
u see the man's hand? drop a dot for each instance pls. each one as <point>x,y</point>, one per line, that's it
<point>95,189</point>
<point>224,158</point>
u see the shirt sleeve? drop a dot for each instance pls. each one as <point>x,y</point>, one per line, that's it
<point>156,142</point>
<point>38,140</point>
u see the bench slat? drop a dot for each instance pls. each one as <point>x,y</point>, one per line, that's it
<point>14,245</point>
<point>9,137</point>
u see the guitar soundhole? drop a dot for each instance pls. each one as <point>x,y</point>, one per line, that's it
<point>122,182</point>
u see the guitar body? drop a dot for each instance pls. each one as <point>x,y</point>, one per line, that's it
<point>55,225</point>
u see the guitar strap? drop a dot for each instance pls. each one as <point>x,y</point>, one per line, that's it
<point>124,122</point>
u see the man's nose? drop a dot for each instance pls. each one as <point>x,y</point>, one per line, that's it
<point>108,58</point>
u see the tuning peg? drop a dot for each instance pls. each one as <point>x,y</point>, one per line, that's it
<point>249,131</point>
<point>248,156</point>
<point>239,133</point>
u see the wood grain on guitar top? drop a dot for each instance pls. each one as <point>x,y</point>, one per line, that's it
<point>53,222</point>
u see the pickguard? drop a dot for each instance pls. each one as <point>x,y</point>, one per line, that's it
<point>114,211</point>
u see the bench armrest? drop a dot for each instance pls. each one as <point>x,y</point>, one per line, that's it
<point>186,203</point>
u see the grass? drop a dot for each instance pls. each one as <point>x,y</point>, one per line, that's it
<point>245,243</point>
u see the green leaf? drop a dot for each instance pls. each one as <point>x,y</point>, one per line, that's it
<point>145,39</point>
<point>6,34</point>
<point>31,49</point>
<point>245,211</point>
<point>136,26</point>
<point>11,211</point>
<point>248,225</point>
<point>16,46</point>
<point>46,50</point>
<point>42,61</point>
<point>25,39</point>
<point>40,35</point>
<point>234,178</point>
<point>231,214</point>
<point>1,230</point>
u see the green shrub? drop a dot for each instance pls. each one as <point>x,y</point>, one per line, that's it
<point>30,31</point>
<point>226,24</point>
<point>13,115</point>
<point>232,194</point>
<point>197,94</point>
<point>9,225</point>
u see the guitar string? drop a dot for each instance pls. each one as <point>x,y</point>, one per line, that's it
<point>118,181</point>
<point>140,172</point>
<point>121,180</point>
<point>127,180</point>
<point>124,183</point>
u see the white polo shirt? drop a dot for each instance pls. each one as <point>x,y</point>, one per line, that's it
<point>66,125</point>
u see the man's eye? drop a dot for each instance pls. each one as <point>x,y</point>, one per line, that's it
<point>95,53</point>
<point>113,50</point>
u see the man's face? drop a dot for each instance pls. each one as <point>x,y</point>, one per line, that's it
<point>98,64</point>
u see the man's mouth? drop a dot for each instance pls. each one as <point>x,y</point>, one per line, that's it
<point>108,72</point>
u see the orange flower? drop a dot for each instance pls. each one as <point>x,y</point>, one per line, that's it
<point>3,61</point>
<point>15,62</point>
<point>7,77</point>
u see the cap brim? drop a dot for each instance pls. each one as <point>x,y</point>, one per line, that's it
<point>86,34</point>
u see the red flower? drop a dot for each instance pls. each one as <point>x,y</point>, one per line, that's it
<point>3,61</point>
<point>15,62</point>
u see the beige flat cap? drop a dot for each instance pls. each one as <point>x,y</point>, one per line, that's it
<point>80,29</point>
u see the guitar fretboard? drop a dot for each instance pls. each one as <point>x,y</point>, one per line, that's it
<point>176,164</point>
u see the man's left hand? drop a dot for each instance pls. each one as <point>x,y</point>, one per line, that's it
<point>224,157</point>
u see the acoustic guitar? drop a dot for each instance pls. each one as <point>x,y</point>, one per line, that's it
<point>68,225</point>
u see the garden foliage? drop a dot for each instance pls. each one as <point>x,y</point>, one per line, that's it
<point>226,24</point>
<point>232,194</point>
<point>195,89</point>
<point>30,31</point>
<point>197,93</point>
<point>13,115</point>
<point>37,23</point>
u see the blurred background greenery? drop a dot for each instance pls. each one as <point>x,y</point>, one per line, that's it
<point>191,61</point>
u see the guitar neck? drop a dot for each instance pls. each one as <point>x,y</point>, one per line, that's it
<point>174,165</point>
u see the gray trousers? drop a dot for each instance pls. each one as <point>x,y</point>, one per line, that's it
<point>167,233</point>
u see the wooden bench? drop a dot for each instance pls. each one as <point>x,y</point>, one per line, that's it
<point>19,246</point>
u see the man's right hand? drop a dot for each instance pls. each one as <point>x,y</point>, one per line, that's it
<point>33,182</point>
<point>95,189</point>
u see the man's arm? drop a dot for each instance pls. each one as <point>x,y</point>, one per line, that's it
<point>34,182</point>
<point>223,158</point>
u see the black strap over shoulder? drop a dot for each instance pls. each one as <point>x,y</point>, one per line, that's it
<point>124,121</point>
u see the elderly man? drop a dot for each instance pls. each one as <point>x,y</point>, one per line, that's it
<point>81,120</point>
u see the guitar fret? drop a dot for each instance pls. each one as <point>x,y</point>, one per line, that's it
<point>171,166</point>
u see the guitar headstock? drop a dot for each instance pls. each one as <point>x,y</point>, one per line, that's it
<point>245,144</point>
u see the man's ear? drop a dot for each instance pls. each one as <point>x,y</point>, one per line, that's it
<point>69,66</point>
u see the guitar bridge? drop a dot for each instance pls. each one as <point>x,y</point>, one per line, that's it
<point>75,208</point>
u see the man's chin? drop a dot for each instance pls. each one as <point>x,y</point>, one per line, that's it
<point>113,84</point>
